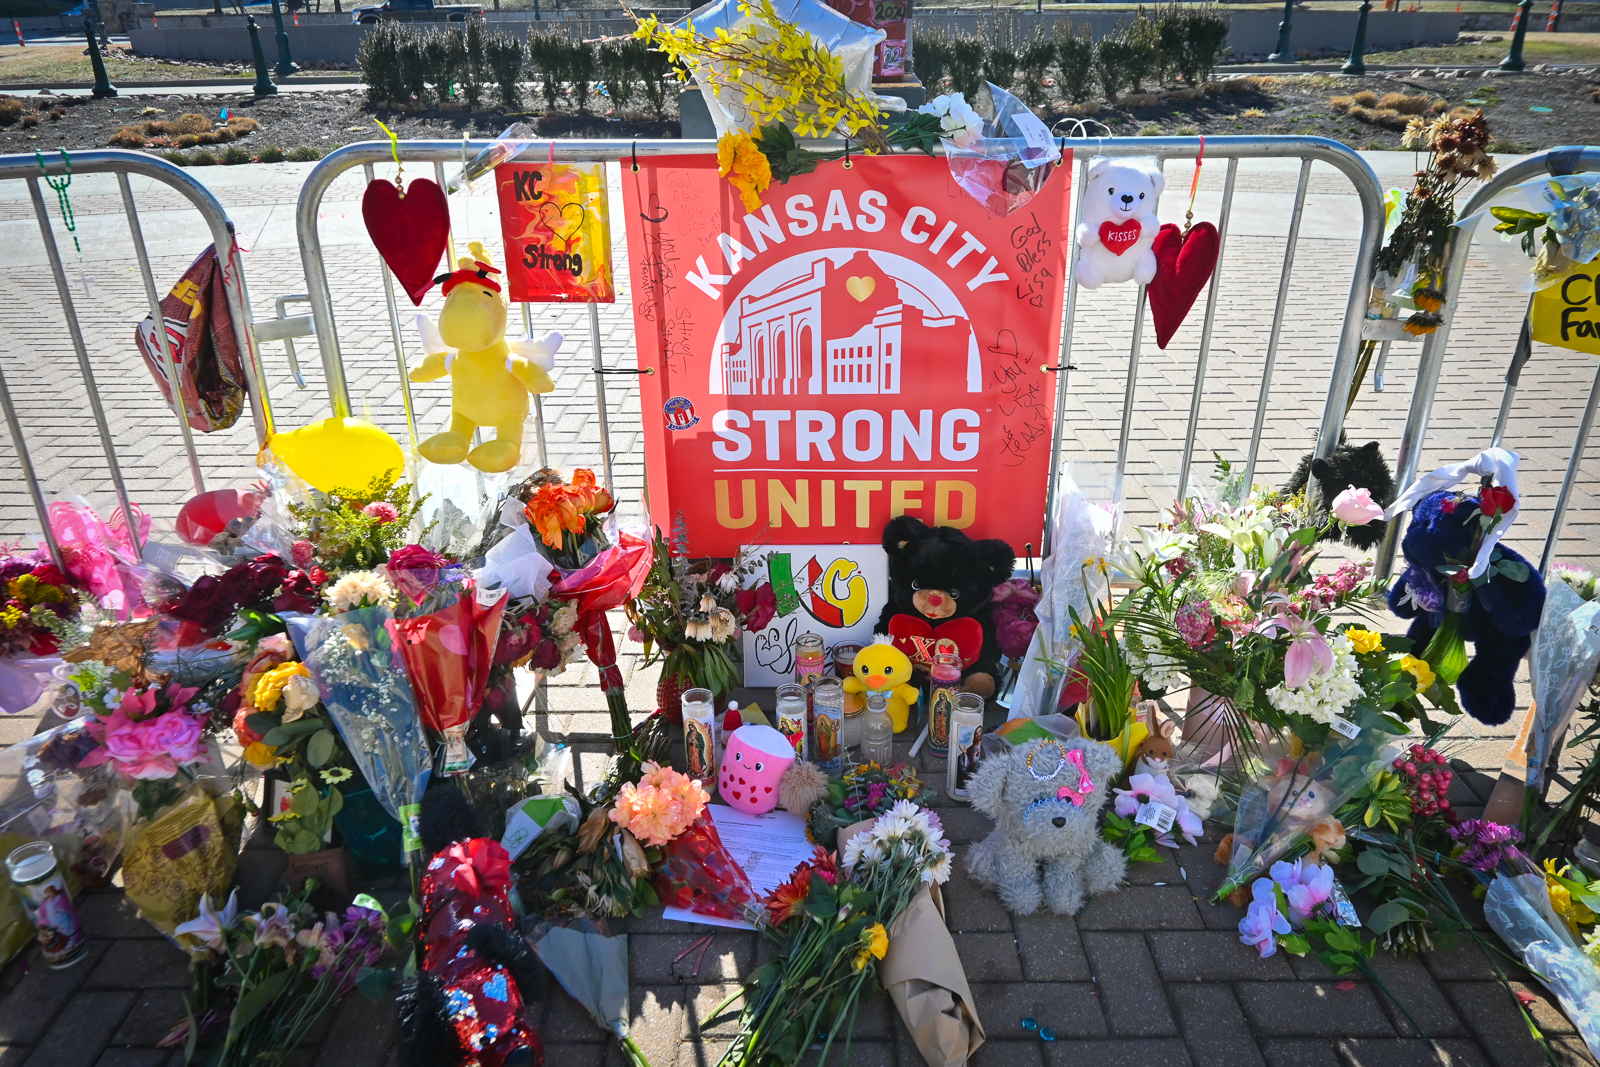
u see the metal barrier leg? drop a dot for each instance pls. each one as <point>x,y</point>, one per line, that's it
<point>233,284</point>
<point>394,336</point>
<point>1578,446</point>
<point>538,404</point>
<point>28,474</point>
<point>1277,325</point>
<point>1382,364</point>
<point>136,232</point>
<point>600,393</point>
<point>84,369</point>
<point>1205,331</point>
<point>1063,368</point>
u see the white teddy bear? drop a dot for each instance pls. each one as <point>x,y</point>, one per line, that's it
<point>1118,223</point>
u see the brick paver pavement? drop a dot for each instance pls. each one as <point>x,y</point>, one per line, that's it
<point>1149,976</point>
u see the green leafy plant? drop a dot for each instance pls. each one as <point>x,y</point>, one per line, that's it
<point>346,536</point>
<point>304,827</point>
<point>1384,799</point>
<point>1075,59</point>
<point>619,63</point>
<point>967,55</point>
<point>1145,58</point>
<point>378,56</point>
<point>547,54</point>
<point>504,55</point>
<point>1114,61</point>
<point>474,71</point>
<point>1034,59</point>
<point>930,59</point>
<point>580,66</point>
<point>1136,840</point>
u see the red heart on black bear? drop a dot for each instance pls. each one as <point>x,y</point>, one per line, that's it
<point>915,637</point>
<point>410,231</point>
<point>1183,266</point>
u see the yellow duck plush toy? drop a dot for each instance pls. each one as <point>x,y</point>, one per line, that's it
<point>490,377</point>
<point>882,668</point>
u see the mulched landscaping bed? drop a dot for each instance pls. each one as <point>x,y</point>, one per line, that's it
<point>1276,104</point>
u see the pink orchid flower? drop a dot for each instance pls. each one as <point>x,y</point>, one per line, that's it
<point>1308,649</point>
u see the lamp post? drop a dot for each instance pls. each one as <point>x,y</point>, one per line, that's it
<point>1513,59</point>
<point>263,85</point>
<point>102,84</point>
<point>1283,55</point>
<point>286,64</point>
<point>1357,64</point>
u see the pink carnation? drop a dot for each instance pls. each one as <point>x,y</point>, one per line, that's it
<point>303,553</point>
<point>381,510</point>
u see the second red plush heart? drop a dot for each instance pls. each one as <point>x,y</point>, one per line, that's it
<point>410,231</point>
<point>1183,266</point>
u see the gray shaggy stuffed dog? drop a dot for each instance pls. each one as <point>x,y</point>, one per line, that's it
<point>1046,848</point>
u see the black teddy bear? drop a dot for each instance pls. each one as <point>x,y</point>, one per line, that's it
<point>941,585</point>
<point>1363,467</point>
<point>1503,612</point>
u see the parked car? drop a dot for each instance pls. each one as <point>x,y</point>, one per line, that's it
<point>414,11</point>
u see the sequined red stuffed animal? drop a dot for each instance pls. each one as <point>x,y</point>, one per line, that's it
<point>466,1005</point>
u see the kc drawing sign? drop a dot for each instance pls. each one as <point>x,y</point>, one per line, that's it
<point>867,344</point>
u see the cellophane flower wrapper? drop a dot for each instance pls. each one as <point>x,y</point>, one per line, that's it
<point>1566,649</point>
<point>361,677</point>
<point>448,654</point>
<point>1082,531</point>
<point>1279,811</point>
<point>99,554</point>
<point>698,873</point>
<point>1518,909</point>
<point>80,810</point>
<point>1003,169</point>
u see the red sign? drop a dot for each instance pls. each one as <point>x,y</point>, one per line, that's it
<point>866,345</point>
<point>554,221</point>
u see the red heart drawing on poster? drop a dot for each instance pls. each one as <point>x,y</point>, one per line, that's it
<point>409,231</point>
<point>1120,238</point>
<point>1183,266</point>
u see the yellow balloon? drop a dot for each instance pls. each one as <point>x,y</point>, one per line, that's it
<point>338,453</point>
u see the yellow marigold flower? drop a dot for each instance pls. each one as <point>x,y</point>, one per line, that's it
<point>740,161</point>
<point>1419,669</point>
<point>269,686</point>
<point>1365,640</point>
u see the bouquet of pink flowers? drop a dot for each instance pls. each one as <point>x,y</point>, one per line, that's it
<point>150,734</point>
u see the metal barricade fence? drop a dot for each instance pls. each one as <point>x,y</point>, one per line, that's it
<point>1307,150</point>
<point>1554,163</point>
<point>62,166</point>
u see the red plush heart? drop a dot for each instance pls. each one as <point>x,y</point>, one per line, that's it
<point>916,638</point>
<point>1120,238</point>
<point>1183,266</point>
<point>410,231</point>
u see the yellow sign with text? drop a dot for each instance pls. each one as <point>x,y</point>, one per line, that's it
<point>1567,314</point>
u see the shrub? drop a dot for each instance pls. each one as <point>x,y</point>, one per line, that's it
<point>547,54</point>
<point>998,31</point>
<point>930,59</point>
<point>967,55</point>
<point>658,78</point>
<point>234,155</point>
<point>1439,106</point>
<point>503,59</point>
<point>1133,100</point>
<point>172,155</point>
<point>1204,28</point>
<point>1145,58</point>
<point>1151,130</point>
<point>474,73</point>
<point>202,158</point>
<point>10,110</point>
<point>1366,98</point>
<point>618,63</point>
<point>304,154</point>
<point>128,137</point>
<point>1075,60</point>
<point>455,58</point>
<point>57,113</point>
<point>271,154</point>
<point>413,73</point>
<point>440,65</point>
<point>1257,113</point>
<point>1113,61</point>
<point>1035,59</point>
<point>1341,104</point>
<point>242,125</point>
<point>378,56</point>
<point>581,67</point>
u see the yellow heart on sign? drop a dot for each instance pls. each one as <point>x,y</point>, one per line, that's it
<point>861,287</point>
<point>338,453</point>
<point>1567,314</point>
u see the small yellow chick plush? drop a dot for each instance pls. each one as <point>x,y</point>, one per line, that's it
<point>882,668</point>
